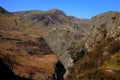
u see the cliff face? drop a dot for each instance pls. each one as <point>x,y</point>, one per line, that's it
<point>29,55</point>
<point>63,43</point>
<point>33,36</point>
<point>60,39</point>
<point>103,26</point>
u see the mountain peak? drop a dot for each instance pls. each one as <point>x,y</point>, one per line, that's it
<point>3,11</point>
<point>53,9</point>
<point>108,13</point>
<point>56,11</point>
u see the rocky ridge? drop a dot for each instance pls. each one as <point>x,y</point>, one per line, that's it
<point>103,26</point>
<point>23,32</point>
<point>102,48</point>
<point>80,54</point>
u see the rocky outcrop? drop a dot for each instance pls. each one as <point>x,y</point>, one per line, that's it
<point>103,26</point>
<point>102,46</point>
<point>63,44</point>
<point>78,20</point>
<point>60,40</point>
<point>52,18</point>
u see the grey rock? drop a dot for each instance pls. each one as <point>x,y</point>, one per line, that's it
<point>59,40</point>
<point>106,25</point>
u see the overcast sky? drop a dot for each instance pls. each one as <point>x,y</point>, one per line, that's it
<point>78,8</point>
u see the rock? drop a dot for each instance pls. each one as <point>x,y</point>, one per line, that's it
<point>53,17</point>
<point>59,41</point>
<point>63,44</point>
<point>109,71</point>
<point>103,26</point>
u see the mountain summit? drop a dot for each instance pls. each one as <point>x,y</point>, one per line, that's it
<point>3,11</point>
<point>52,17</point>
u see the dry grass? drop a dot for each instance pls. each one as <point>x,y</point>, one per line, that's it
<point>13,39</point>
<point>96,66</point>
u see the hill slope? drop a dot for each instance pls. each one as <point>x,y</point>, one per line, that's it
<point>23,49</point>
<point>102,47</point>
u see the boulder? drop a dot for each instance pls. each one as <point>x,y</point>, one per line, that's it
<point>59,40</point>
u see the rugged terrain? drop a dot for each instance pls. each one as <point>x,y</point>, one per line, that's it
<point>22,47</point>
<point>102,50</point>
<point>49,45</point>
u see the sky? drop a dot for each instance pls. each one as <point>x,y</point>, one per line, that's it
<point>78,8</point>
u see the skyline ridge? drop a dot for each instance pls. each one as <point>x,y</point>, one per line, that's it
<point>56,9</point>
<point>80,9</point>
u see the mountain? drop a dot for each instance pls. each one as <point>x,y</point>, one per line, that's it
<point>52,17</point>
<point>50,45</point>
<point>3,11</point>
<point>77,20</point>
<point>102,50</point>
<point>22,45</point>
<point>23,50</point>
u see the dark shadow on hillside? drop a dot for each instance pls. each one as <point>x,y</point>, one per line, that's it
<point>7,74</point>
<point>59,71</point>
<point>44,46</point>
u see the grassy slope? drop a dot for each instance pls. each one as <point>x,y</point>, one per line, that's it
<point>17,37</point>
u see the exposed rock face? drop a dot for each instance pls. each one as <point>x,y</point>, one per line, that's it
<point>106,25</point>
<point>52,17</point>
<point>73,19</point>
<point>63,44</point>
<point>60,40</point>
<point>77,20</point>
<point>102,46</point>
<point>24,38</point>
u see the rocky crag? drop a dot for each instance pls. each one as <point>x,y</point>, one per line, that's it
<point>24,49</point>
<point>102,48</point>
<point>49,45</point>
<point>99,49</point>
<point>104,26</point>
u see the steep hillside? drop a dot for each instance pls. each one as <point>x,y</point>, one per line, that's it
<point>28,40</point>
<point>22,46</point>
<point>3,11</point>
<point>80,22</point>
<point>51,18</point>
<point>23,50</point>
<point>102,47</point>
